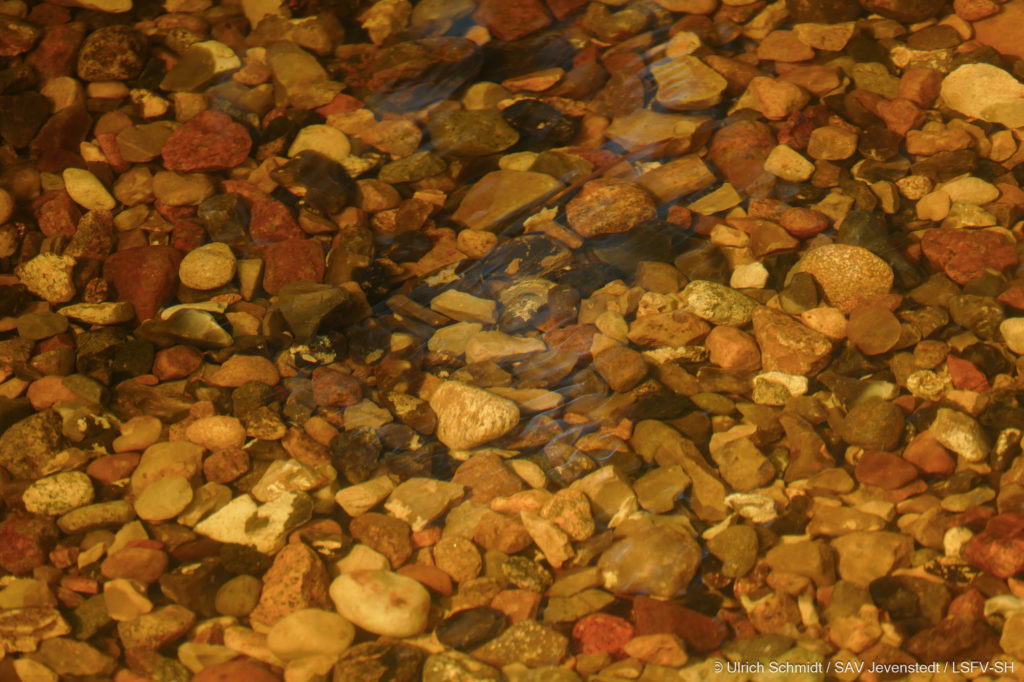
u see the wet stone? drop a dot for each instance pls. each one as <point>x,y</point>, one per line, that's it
<point>111,53</point>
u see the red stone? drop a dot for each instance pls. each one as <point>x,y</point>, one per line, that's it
<point>211,141</point>
<point>563,8</point>
<point>970,603</point>
<point>599,632</point>
<point>296,580</point>
<point>176,362</point>
<point>739,150</point>
<point>900,115</point>
<point>112,468</point>
<point>966,376</point>
<point>25,542</point>
<point>55,55</point>
<point>700,632</point>
<point>271,221</point>
<point>428,576</point>
<point>187,235</point>
<point>386,534</point>
<point>1013,297</point>
<point>512,20</point>
<point>920,85</point>
<point>332,388</point>
<point>884,470</point>
<point>965,254</point>
<point>999,549</point>
<point>804,222</point>
<point>928,455</point>
<point>293,260</point>
<point>145,276</point>
<point>56,213</point>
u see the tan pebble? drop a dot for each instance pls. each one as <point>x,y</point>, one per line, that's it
<point>476,243</point>
<point>138,433</point>
<point>828,321</point>
<point>240,369</point>
<point>164,499</point>
<point>217,432</point>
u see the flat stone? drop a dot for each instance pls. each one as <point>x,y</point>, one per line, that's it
<point>501,195</point>
<point>608,207</point>
<point>263,527</point>
<point>420,501</point>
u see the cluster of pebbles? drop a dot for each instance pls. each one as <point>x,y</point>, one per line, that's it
<point>525,340</point>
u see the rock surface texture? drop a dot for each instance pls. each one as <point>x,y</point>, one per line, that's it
<point>511,340</point>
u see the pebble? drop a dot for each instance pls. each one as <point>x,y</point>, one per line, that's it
<point>786,163</point>
<point>382,602</point>
<point>848,275</point>
<point>686,83</point>
<point>87,191</point>
<point>164,499</point>
<point>231,523</point>
<point>59,494</point>
<point>470,133</point>
<point>985,92</point>
<point>111,53</point>
<point>468,417</point>
<point>608,207</point>
<point>717,304</point>
<point>664,568</point>
<point>145,276</point>
<point>323,139</point>
<point>960,433</point>
<point>48,276</point>
<point>310,632</point>
<point>211,266</point>
<point>209,142</point>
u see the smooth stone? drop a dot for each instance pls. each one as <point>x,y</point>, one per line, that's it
<point>164,499</point>
<point>210,266</point>
<point>468,416</point>
<point>659,561</point>
<point>502,195</point>
<point>87,191</point>
<point>310,632</point>
<point>238,596</point>
<point>323,139</point>
<point>382,602</point>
